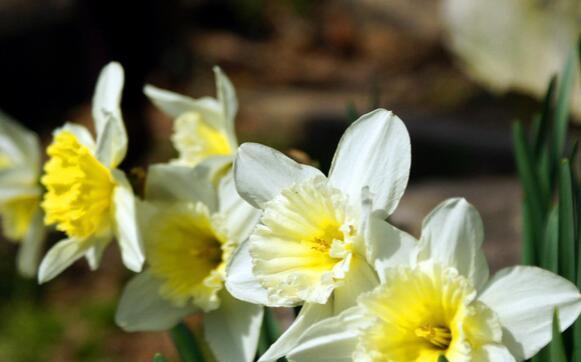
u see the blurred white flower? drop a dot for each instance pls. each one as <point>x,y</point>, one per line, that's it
<point>203,128</point>
<point>87,197</point>
<point>514,44</point>
<point>310,245</point>
<point>20,192</point>
<point>443,302</point>
<point>190,234</point>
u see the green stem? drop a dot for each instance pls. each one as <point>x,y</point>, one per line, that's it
<point>186,344</point>
<point>270,326</point>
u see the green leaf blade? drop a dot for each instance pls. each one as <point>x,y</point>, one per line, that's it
<point>562,107</point>
<point>557,346</point>
<point>567,262</point>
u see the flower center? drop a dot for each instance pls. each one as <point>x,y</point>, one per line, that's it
<point>195,140</point>
<point>17,215</point>
<point>79,189</point>
<point>301,249</point>
<point>188,252</point>
<point>422,313</point>
<point>438,336</point>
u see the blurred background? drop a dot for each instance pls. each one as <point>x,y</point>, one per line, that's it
<point>458,72</point>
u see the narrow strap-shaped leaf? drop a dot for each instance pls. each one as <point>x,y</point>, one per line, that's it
<point>535,201</point>
<point>186,344</point>
<point>351,112</point>
<point>529,251</point>
<point>563,103</point>
<point>541,131</point>
<point>550,257</point>
<point>577,325</point>
<point>577,341</point>
<point>557,346</point>
<point>567,249</point>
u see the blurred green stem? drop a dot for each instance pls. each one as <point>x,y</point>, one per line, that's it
<point>186,343</point>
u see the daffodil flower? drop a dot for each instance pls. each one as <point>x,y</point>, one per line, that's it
<point>190,234</point>
<point>443,303</point>
<point>310,246</point>
<point>20,192</point>
<point>203,128</point>
<point>87,197</point>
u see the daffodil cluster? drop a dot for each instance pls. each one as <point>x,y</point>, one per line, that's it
<point>224,230</point>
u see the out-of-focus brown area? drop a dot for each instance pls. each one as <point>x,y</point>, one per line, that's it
<point>298,67</point>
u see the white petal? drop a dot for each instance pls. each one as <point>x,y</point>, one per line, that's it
<point>107,97</point>
<point>388,246</point>
<point>170,183</point>
<point>524,299</point>
<point>11,187</point>
<point>214,167</point>
<point>31,247</point>
<point>232,331</point>
<point>112,143</point>
<point>374,151</point>
<point>126,226</point>
<point>240,281</point>
<point>452,234</point>
<point>332,339</point>
<point>19,143</point>
<point>310,314</point>
<point>261,173</point>
<point>241,217</point>
<point>174,105</point>
<point>493,352</point>
<point>60,257</point>
<point>229,102</point>
<point>361,278</point>
<point>141,308</point>
<point>95,253</point>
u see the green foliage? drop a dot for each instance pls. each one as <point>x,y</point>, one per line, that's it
<point>159,358</point>
<point>25,325</point>
<point>351,112</point>
<point>551,195</point>
<point>557,346</point>
<point>270,331</point>
<point>186,344</point>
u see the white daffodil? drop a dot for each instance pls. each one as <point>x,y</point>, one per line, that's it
<point>203,128</point>
<point>309,247</point>
<point>189,238</point>
<point>443,302</point>
<point>20,192</point>
<point>514,44</point>
<point>87,197</point>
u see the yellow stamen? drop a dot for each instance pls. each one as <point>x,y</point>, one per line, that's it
<point>438,336</point>
<point>79,189</point>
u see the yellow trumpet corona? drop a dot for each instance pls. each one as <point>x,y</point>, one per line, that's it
<point>79,189</point>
